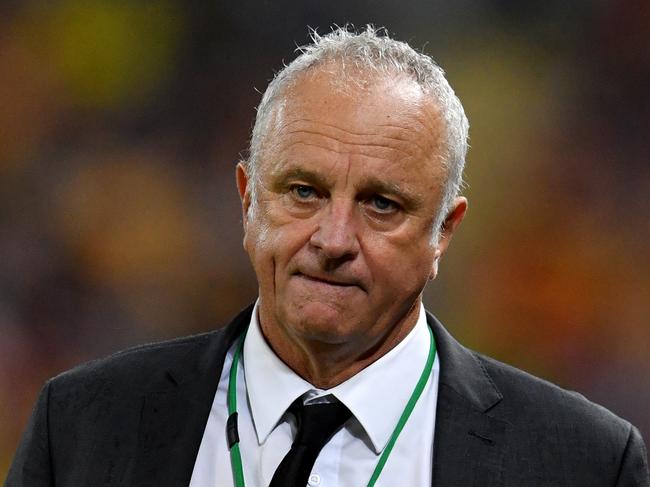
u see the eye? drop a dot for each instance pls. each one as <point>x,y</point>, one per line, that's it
<point>382,205</point>
<point>302,191</point>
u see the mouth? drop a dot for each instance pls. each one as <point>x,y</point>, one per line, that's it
<point>343,283</point>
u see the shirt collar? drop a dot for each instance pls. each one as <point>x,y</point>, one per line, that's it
<point>271,385</point>
<point>377,395</point>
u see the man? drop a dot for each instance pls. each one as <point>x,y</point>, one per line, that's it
<point>336,376</point>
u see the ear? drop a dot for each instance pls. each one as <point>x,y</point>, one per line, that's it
<point>449,225</point>
<point>244,191</point>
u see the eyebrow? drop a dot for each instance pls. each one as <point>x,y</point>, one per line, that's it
<point>282,178</point>
<point>369,185</point>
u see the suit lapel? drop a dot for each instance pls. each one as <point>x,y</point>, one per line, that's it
<point>174,415</point>
<point>469,444</point>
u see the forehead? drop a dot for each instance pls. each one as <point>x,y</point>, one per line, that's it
<point>364,116</point>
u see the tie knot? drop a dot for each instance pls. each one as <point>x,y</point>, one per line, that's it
<point>317,423</point>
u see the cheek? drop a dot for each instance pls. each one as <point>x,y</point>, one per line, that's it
<point>402,265</point>
<point>273,241</point>
<point>257,240</point>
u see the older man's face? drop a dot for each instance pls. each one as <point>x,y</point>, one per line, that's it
<point>341,239</point>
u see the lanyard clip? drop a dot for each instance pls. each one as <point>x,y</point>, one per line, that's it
<point>232,433</point>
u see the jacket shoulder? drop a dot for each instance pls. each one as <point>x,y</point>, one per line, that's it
<point>566,429</point>
<point>153,367</point>
<point>138,368</point>
<point>558,423</point>
<point>531,396</point>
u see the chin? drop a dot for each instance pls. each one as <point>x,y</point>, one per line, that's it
<point>321,322</point>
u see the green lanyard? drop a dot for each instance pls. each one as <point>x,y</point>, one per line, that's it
<point>232,433</point>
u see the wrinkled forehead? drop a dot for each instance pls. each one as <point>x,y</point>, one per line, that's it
<point>359,103</point>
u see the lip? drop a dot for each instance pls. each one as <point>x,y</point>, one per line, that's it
<point>343,283</point>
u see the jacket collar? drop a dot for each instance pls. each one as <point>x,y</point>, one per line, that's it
<point>469,444</point>
<point>462,371</point>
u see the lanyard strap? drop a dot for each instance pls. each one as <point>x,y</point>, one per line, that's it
<point>232,433</point>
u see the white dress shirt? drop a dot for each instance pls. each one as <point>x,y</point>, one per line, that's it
<point>377,396</point>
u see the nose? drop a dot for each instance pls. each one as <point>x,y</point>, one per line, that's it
<point>336,234</point>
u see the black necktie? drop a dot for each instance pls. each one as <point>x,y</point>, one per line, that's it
<point>316,425</point>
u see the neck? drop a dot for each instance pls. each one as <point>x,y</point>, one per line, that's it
<point>325,364</point>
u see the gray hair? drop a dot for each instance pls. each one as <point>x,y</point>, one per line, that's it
<point>373,51</point>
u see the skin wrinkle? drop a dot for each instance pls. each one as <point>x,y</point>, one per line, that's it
<point>347,173</point>
<point>366,144</point>
<point>424,151</point>
<point>387,125</point>
<point>370,134</point>
<point>361,153</point>
<point>401,128</point>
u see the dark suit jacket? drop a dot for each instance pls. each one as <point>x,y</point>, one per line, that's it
<point>137,419</point>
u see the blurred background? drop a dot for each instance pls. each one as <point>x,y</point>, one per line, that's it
<point>121,122</point>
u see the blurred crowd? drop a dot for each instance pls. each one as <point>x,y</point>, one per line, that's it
<point>121,123</point>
